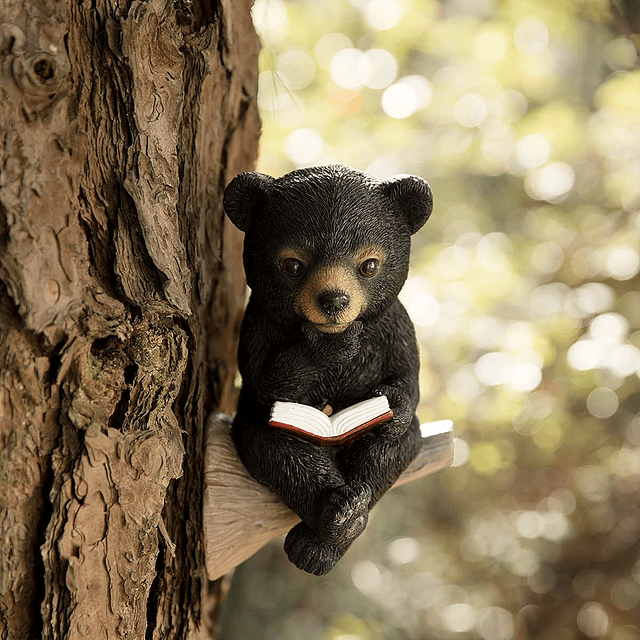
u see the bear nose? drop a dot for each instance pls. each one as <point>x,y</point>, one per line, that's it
<point>333,302</point>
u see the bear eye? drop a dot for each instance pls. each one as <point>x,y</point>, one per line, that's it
<point>369,268</point>
<point>292,267</point>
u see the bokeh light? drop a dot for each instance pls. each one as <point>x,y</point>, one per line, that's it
<point>533,151</point>
<point>271,19</point>
<point>304,146</point>
<point>350,68</point>
<point>495,623</point>
<point>531,35</point>
<point>593,620</point>
<point>296,68</point>
<point>620,53</point>
<point>550,183</point>
<point>384,68</point>
<point>382,14</point>
<point>470,110</point>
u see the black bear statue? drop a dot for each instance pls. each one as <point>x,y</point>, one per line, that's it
<point>326,252</point>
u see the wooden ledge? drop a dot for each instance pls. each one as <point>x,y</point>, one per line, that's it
<point>241,516</point>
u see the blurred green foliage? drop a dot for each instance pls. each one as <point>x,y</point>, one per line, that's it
<point>525,118</point>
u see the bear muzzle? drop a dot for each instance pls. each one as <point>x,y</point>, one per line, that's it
<point>334,305</point>
<point>331,299</point>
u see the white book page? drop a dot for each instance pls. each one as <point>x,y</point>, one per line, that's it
<point>302,416</point>
<point>358,414</point>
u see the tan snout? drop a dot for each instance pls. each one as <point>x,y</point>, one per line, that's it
<point>331,299</point>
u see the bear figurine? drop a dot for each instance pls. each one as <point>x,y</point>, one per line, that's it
<point>326,252</point>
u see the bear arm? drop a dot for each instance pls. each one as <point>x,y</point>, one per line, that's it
<point>287,376</point>
<point>272,371</point>
<point>400,383</point>
<point>403,399</point>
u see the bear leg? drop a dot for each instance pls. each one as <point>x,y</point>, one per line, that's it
<point>300,472</point>
<point>378,461</point>
<point>344,513</point>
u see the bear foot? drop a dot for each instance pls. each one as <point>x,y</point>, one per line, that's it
<point>309,552</point>
<point>345,513</point>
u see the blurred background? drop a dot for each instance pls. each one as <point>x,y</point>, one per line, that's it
<point>524,116</point>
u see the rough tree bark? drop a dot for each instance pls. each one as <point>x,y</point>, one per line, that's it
<point>121,290</point>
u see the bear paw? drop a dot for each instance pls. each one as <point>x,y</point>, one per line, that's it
<point>309,552</point>
<point>393,429</point>
<point>402,413</point>
<point>345,513</point>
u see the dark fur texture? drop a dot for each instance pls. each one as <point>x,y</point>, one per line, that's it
<point>332,218</point>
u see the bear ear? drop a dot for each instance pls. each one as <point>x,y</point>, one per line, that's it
<point>245,195</point>
<point>412,196</point>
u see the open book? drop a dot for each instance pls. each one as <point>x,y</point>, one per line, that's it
<point>339,428</point>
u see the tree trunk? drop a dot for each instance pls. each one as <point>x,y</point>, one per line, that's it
<point>121,291</point>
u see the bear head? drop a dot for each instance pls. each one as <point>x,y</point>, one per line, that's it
<point>326,245</point>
